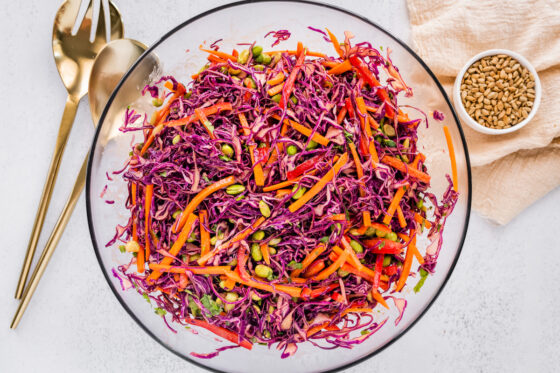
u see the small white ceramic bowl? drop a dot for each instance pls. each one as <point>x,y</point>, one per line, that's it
<point>466,118</point>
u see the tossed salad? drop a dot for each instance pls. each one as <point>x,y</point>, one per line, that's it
<point>277,197</point>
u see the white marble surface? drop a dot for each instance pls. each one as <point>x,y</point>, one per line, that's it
<point>499,312</point>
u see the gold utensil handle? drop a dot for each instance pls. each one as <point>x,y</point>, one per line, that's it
<point>51,243</point>
<point>63,133</point>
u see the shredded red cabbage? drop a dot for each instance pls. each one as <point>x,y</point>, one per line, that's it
<point>184,159</point>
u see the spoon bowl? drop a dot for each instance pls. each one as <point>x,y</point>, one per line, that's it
<point>109,67</point>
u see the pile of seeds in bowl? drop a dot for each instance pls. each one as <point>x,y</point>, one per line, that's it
<point>498,91</point>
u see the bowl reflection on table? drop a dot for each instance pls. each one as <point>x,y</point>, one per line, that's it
<point>178,55</point>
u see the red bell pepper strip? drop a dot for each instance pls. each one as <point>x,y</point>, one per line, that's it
<point>391,270</point>
<point>323,290</point>
<point>303,168</point>
<point>242,259</point>
<point>261,154</point>
<point>349,107</point>
<point>315,267</point>
<point>383,246</point>
<point>289,85</point>
<point>378,269</point>
<point>364,71</point>
<point>222,332</point>
<point>369,78</point>
<point>384,96</point>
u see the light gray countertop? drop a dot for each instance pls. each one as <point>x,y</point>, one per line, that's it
<point>500,310</point>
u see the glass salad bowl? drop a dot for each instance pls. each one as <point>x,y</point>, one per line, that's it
<point>177,54</point>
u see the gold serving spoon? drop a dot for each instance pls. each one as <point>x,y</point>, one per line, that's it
<point>110,65</point>
<point>74,56</point>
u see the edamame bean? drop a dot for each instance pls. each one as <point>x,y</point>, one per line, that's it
<point>257,50</point>
<point>300,192</point>
<point>256,252</point>
<point>266,59</point>
<point>274,241</point>
<point>227,150</point>
<point>391,236</point>
<point>264,209</point>
<point>258,235</point>
<point>235,189</point>
<point>312,145</point>
<point>292,150</point>
<point>356,246</point>
<point>243,57</point>
<point>263,271</point>
<point>386,261</point>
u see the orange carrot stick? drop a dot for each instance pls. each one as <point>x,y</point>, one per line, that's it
<point>309,259</point>
<point>281,185</point>
<point>451,156</point>
<point>180,122</point>
<point>335,44</point>
<point>352,258</point>
<point>329,64</point>
<point>403,167</point>
<point>215,59</point>
<point>299,49</point>
<point>341,115</point>
<point>379,298</point>
<point>204,234</point>
<point>296,53</point>
<point>177,245</point>
<point>140,255</point>
<point>205,122</point>
<point>419,157</point>
<point>341,68</point>
<point>420,219</point>
<point>273,288</point>
<point>318,138</point>
<point>257,169</point>
<point>372,122</point>
<point>219,54</point>
<point>332,268</point>
<point>140,262</point>
<point>147,217</point>
<point>210,270</point>
<point>282,192</point>
<point>407,261</point>
<point>197,200</point>
<point>320,184</point>
<point>210,110</point>
<point>400,216</point>
<point>393,206</point>
<point>362,111</point>
<point>316,328</point>
<point>278,78</point>
<point>360,171</point>
<point>265,253</point>
<point>275,90</point>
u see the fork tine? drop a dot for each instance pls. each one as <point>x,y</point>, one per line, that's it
<point>84,5</point>
<point>107,17</point>
<point>96,4</point>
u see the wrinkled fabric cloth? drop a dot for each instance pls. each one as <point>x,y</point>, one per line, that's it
<point>510,171</point>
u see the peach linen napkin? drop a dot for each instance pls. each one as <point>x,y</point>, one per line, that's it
<point>511,171</point>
